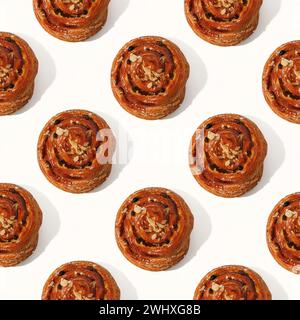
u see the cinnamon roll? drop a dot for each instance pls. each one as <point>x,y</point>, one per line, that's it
<point>281,81</point>
<point>149,76</point>
<point>232,283</point>
<point>20,221</point>
<point>283,233</point>
<point>18,69</point>
<point>227,153</point>
<point>223,22</point>
<point>71,20</point>
<point>81,280</point>
<point>75,151</point>
<point>153,228</point>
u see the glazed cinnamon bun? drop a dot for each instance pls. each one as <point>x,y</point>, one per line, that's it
<point>227,153</point>
<point>71,20</point>
<point>20,221</point>
<point>232,283</point>
<point>18,69</point>
<point>281,81</point>
<point>75,151</point>
<point>283,233</point>
<point>81,280</point>
<point>223,22</point>
<point>153,228</point>
<point>149,76</point>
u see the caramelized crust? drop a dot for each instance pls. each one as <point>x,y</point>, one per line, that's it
<point>153,228</point>
<point>20,221</point>
<point>223,22</point>
<point>75,151</point>
<point>81,280</point>
<point>149,76</point>
<point>283,233</point>
<point>232,283</point>
<point>18,69</point>
<point>226,155</point>
<point>71,20</point>
<point>281,81</point>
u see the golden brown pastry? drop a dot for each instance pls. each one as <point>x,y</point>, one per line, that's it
<point>18,69</point>
<point>281,81</point>
<point>75,151</point>
<point>153,228</point>
<point>232,283</point>
<point>81,280</point>
<point>149,76</point>
<point>71,20</point>
<point>227,153</point>
<point>223,22</point>
<point>283,233</point>
<point>20,221</point>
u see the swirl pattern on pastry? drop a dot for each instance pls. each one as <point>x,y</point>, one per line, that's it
<point>232,283</point>
<point>281,81</point>
<point>18,69</point>
<point>153,228</point>
<point>149,76</point>
<point>283,233</point>
<point>71,20</point>
<point>20,221</point>
<point>226,155</point>
<point>223,22</point>
<point>81,280</point>
<point>75,151</point>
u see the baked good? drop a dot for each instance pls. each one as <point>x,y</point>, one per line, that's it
<point>149,76</point>
<point>281,81</point>
<point>75,151</point>
<point>232,283</point>
<point>153,228</point>
<point>223,22</point>
<point>283,233</point>
<point>81,280</point>
<point>20,221</point>
<point>227,153</point>
<point>71,20</point>
<point>18,69</point>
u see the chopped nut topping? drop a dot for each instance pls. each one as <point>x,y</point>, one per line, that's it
<point>150,74</point>
<point>65,282</point>
<point>59,131</point>
<point>216,287</point>
<point>6,223</point>
<point>289,213</point>
<point>230,153</point>
<point>227,4</point>
<point>134,58</point>
<point>137,209</point>
<point>285,62</point>
<point>79,149</point>
<point>212,136</point>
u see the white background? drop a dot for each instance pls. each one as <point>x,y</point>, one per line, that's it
<point>77,75</point>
